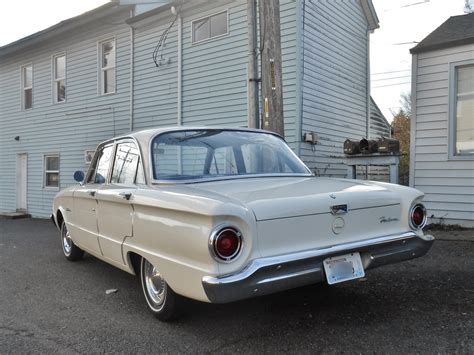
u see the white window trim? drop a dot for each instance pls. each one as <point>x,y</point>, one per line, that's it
<point>452,111</point>
<point>193,42</point>
<point>100,69</point>
<point>53,188</point>
<point>55,80</point>
<point>23,87</point>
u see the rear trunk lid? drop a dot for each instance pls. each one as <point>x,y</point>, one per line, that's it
<point>295,214</point>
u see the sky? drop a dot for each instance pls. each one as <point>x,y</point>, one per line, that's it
<point>402,22</point>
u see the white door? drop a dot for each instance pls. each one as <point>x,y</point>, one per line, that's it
<point>21,181</point>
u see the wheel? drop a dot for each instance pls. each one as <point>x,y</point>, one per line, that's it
<point>71,251</point>
<point>162,301</point>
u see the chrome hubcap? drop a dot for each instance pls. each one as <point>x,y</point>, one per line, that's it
<point>67,241</point>
<point>154,283</point>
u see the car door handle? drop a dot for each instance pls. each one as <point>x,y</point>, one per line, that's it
<point>125,195</point>
<point>92,193</point>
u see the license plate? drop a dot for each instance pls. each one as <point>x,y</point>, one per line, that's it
<point>343,268</point>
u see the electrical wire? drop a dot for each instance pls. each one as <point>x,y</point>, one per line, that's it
<point>390,72</point>
<point>393,78</point>
<point>382,86</point>
<point>162,40</point>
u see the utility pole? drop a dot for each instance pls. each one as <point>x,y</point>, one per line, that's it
<point>252,70</point>
<point>272,89</point>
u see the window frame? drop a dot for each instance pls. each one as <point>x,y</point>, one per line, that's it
<point>92,170</point>
<point>137,147</point>
<point>114,144</point>
<point>45,171</point>
<point>453,76</point>
<point>23,87</point>
<point>193,42</point>
<point>101,70</point>
<point>55,79</point>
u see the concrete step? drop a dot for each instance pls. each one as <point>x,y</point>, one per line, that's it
<point>14,215</point>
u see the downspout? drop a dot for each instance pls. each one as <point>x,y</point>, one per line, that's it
<point>367,132</point>
<point>132,64</point>
<point>180,72</point>
<point>368,84</point>
<point>179,95</point>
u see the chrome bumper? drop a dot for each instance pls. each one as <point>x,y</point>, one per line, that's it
<point>273,274</point>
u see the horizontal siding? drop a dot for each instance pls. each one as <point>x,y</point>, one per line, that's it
<point>448,184</point>
<point>214,92</point>
<point>69,128</point>
<point>334,102</point>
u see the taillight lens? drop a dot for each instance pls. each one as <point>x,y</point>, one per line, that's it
<point>226,244</point>
<point>418,216</point>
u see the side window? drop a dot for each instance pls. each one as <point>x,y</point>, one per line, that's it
<point>126,163</point>
<point>100,168</point>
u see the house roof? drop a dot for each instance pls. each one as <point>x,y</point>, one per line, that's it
<point>455,31</point>
<point>62,26</point>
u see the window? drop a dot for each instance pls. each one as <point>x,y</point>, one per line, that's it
<point>107,67</point>
<point>59,78</point>
<point>51,171</point>
<point>210,27</point>
<point>463,115</point>
<point>214,153</point>
<point>100,167</point>
<point>126,164</point>
<point>27,84</point>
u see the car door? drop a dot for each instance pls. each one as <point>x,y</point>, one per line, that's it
<point>115,200</point>
<point>85,200</point>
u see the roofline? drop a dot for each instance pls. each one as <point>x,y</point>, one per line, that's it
<point>60,27</point>
<point>370,14</point>
<point>166,7</point>
<point>450,44</point>
<point>155,11</point>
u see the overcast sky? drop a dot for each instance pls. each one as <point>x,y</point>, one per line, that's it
<point>401,21</point>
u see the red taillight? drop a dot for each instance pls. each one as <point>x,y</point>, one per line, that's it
<point>418,216</point>
<point>226,244</point>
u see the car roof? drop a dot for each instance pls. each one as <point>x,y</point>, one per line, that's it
<point>147,134</point>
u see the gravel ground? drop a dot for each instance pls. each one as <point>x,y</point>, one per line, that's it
<point>51,305</point>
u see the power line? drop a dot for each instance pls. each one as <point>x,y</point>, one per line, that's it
<point>382,86</point>
<point>393,78</point>
<point>390,72</point>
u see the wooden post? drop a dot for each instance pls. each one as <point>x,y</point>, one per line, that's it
<point>272,88</point>
<point>252,70</point>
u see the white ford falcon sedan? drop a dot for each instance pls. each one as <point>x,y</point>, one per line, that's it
<point>220,215</point>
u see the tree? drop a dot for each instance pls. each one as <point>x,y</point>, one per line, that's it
<point>401,132</point>
<point>405,101</point>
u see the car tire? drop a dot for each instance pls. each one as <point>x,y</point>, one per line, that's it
<point>70,250</point>
<point>162,301</point>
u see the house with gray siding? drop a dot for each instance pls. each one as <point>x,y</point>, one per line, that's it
<point>135,64</point>
<point>442,124</point>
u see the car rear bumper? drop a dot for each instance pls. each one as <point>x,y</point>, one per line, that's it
<point>273,274</point>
